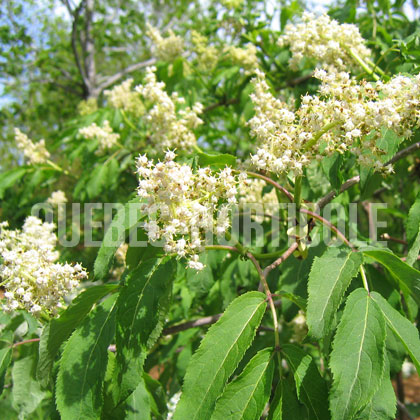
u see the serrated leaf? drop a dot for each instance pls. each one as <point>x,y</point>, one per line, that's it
<point>357,359</point>
<point>408,277</point>
<point>157,394</point>
<point>26,392</point>
<point>142,306</point>
<point>218,356</point>
<point>83,365</point>
<point>413,231</point>
<point>59,330</point>
<point>406,332</point>
<point>246,396</point>
<point>6,343</point>
<point>276,405</point>
<point>329,278</point>
<point>126,218</point>
<point>384,403</point>
<point>311,388</point>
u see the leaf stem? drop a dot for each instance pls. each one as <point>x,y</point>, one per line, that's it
<point>320,133</point>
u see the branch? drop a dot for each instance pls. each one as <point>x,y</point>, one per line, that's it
<point>332,194</point>
<point>133,67</point>
<point>284,257</point>
<point>76,15</point>
<point>221,103</point>
<point>201,322</point>
<point>403,153</point>
<point>272,182</point>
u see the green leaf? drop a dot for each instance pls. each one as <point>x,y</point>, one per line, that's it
<point>276,405</point>
<point>142,307</point>
<point>58,330</point>
<point>246,396</point>
<point>407,277</point>
<point>357,359</point>
<point>384,403</point>
<point>97,180</point>
<point>413,231</point>
<point>6,343</point>
<point>9,178</point>
<point>26,391</point>
<point>218,356</point>
<point>310,386</point>
<point>406,332</point>
<point>126,218</point>
<point>331,167</point>
<point>220,160</point>
<point>329,278</point>
<point>157,394</point>
<point>138,403</point>
<point>83,365</point>
<point>413,220</point>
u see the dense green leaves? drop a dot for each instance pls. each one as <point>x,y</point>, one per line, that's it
<point>218,355</point>
<point>143,304</point>
<point>246,396</point>
<point>408,278</point>
<point>329,278</point>
<point>59,330</point>
<point>83,364</point>
<point>357,360</point>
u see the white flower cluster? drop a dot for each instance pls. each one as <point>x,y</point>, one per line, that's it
<point>34,152</point>
<point>57,197</point>
<point>105,136</point>
<point>339,119</point>
<point>245,58</point>
<point>326,41</point>
<point>166,49</point>
<point>183,206</point>
<point>207,55</point>
<point>122,97</point>
<point>33,280</point>
<point>169,127</point>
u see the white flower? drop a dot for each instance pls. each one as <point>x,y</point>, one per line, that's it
<point>33,280</point>
<point>34,152</point>
<point>169,127</point>
<point>57,197</point>
<point>105,136</point>
<point>246,57</point>
<point>166,49</point>
<point>182,205</point>
<point>122,97</point>
<point>325,40</point>
<point>340,118</point>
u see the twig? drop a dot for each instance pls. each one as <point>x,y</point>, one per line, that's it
<point>272,182</point>
<point>284,257</point>
<point>133,67</point>
<point>221,103</point>
<point>330,226</point>
<point>403,153</point>
<point>332,194</point>
<point>391,238</point>
<point>201,322</point>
